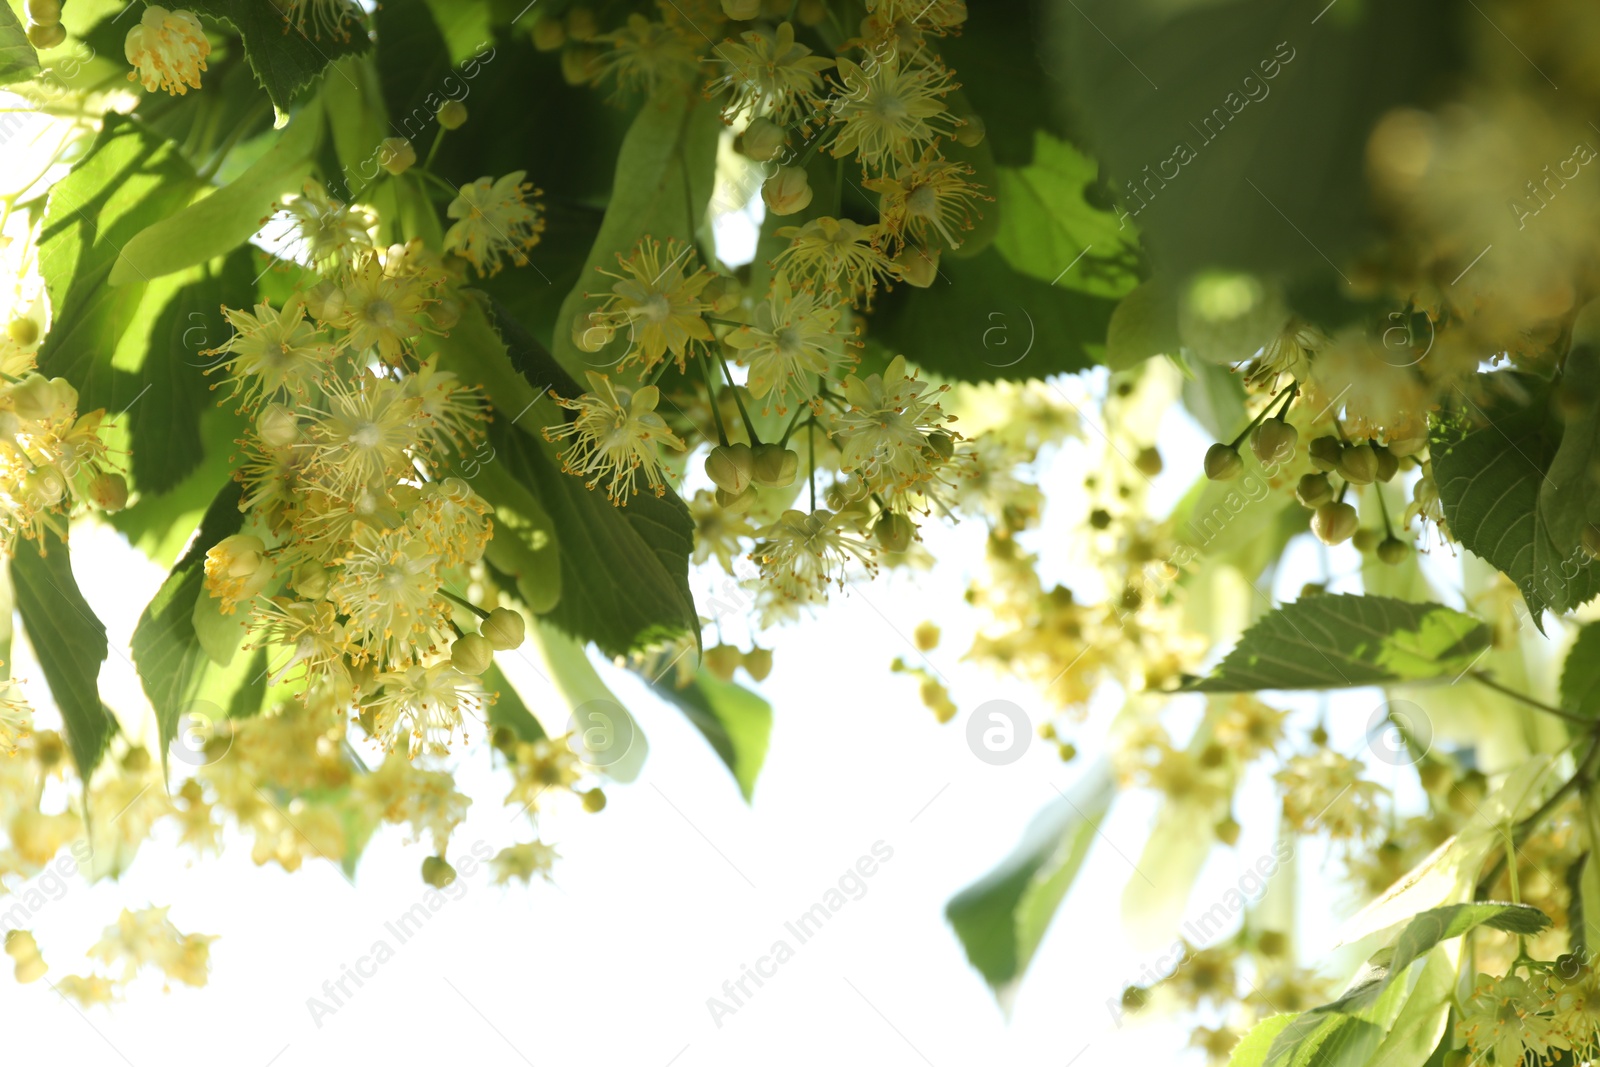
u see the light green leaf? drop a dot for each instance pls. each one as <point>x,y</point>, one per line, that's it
<point>1580,675</point>
<point>1145,324</point>
<point>1252,1049</point>
<point>1050,232</point>
<point>18,60</point>
<point>69,642</point>
<point>1338,641</point>
<point>524,543</point>
<point>737,722</point>
<point>1002,917</point>
<point>218,223</point>
<point>508,710</point>
<point>663,182</point>
<point>606,735</point>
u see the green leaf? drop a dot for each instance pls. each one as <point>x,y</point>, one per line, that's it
<point>220,222</point>
<point>1580,675</point>
<point>174,668</point>
<point>663,181</point>
<point>524,545</point>
<point>983,320</point>
<point>128,181</point>
<point>1490,479</point>
<point>1252,1049</point>
<point>1145,324</point>
<point>1568,502</point>
<point>285,60</point>
<point>1002,917</point>
<point>737,722</point>
<point>605,732</point>
<point>1242,158</point>
<point>1049,231</point>
<point>508,710</point>
<point>69,642</point>
<point>1009,81</point>
<point>18,60</point>
<point>1338,641</point>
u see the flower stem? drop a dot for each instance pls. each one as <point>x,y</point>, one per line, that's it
<point>749,427</point>
<point>1237,441</point>
<point>1484,678</point>
<point>711,394</point>
<point>464,602</point>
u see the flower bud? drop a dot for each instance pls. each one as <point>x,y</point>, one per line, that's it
<point>34,398</point>
<point>1365,540</point>
<point>787,191</point>
<point>1148,461</point>
<point>762,140</point>
<point>109,491</point>
<point>396,155</point>
<point>722,661</point>
<point>24,331</point>
<point>30,965</point>
<point>917,267</point>
<point>452,114</point>
<point>1227,831</point>
<point>758,663</point>
<point>971,131</point>
<point>735,503</point>
<point>1272,944</point>
<point>1393,551</point>
<point>1066,751</point>
<point>1408,446</point>
<point>926,636</point>
<point>437,873</point>
<point>581,23</point>
<point>1388,463</point>
<point>581,64</point>
<point>325,301</point>
<point>43,37</point>
<point>722,292</point>
<point>1313,490</point>
<point>44,12</point>
<point>741,10</point>
<point>1359,464</point>
<point>445,313</point>
<point>894,532</point>
<point>594,801</point>
<point>1334,523</point>
<point>504,629</point>
<point>592,332</point>
<point>942,444</point>
<point>277,426</point>
<point>311,580</point>
<point>471,654</point>
<point>730,467</point>
<point>773,466</point>
<point>1325,453</point>
<point>548,33</point>
<point>1223,463</point>
<point>44,487</point>
<point>1274,441</point>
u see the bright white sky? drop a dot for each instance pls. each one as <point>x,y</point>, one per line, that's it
<point>677,885</point>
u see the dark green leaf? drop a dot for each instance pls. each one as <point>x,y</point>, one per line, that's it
<point>284,59</point>
<point>174,669</point>
<point>69,642</point>
<point>18,60</point>
<point>737,722</point>
<point>1002,917</point>
<point>983,320</point>
<point>1490,478</point>
<point>1337,641</point>
<point>1216,178</point>
<point>1568,501</point>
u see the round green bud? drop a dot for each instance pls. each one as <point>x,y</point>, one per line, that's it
<point>1335,523</point>
<point>942,445</point>
<point>1311,589</point>
<point>1148,461</point>
<point>310,580</point>
<point>1223,463</point>
<point>44,486</point>
<point>788,191</point>
<point>452,114</point>
<point>1394,551</point>
<point>471,654</point>
<point>741,10</point>
<point>43,36</point>
<point>594,801</point>
<point>109,491</point>
<point>1388,463</point>
<point>758,663</point>
<point>1227,831</point>
<point>44,12</point>
<point>396,155</point>
<point>1365,540</point>
<point>34,398</point>
<point>773,466</point>
<point>548,33</point>
<point>722,661</point>
<point>277,426</point>
<point>437,873</point>
<point>1067,751</point>
<point>504,629</point>
<point>735,503</point>
<point>592,332</point>
<point>1100,518</point>
<point>761,141</point>
<point>1325,453</point>
<point>24,331</point>
<point>1313,490</point>
<point>971,131</point>
<point>730,467</point>
<point>1272,943</point>
<point>1359,464</point>
<point>1274,441</point>
<point>918,267</point>
<point>894,532</point>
